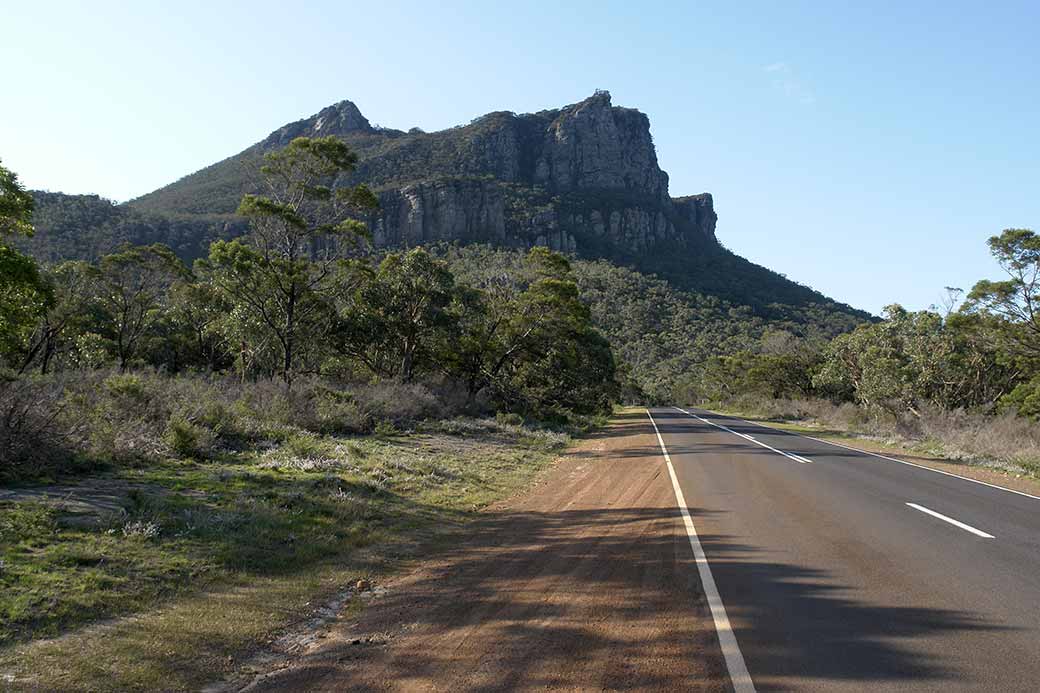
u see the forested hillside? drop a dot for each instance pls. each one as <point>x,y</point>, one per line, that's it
<point>85,227</point>
<point>659,333</point>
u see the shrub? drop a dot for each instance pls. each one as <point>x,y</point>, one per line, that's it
<point>385,429</point>
<point>509,419</point>
<point>36,440</point>
<point>339,412</point>
<point>400,403</point>
<point>188,439</point>
<point>303,446</point>
<point>1006,441</point>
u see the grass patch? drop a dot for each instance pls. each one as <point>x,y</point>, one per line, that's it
<point>215,557</point>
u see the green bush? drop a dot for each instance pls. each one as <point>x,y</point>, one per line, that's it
<point>303,446</point>
<point>509,419</point>
<point>385,429</point>
<point>1024,399</point>
<point>339,412</point>
<point>188,439</point>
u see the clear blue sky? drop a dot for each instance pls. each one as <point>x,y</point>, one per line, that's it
<point>866,151</point>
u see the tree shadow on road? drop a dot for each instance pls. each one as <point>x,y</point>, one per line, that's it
<point>610,597</point>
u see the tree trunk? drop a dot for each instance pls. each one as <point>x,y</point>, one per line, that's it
<point>290,315</point>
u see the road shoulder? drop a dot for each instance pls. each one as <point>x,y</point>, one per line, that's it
<point>585,581</point>
<point>976,472</point>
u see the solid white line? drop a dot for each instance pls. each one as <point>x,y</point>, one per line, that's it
<point>738,673</point>
<point>791,456</point>
<point>890,459</point>
<point>955,523</point>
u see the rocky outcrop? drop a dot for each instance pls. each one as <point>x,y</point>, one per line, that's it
<point>485,211</point>
<point>595,145</point>
<point>585,175</point>
<point>467,211</point>
<point>339,119</point>
<point>699,211</point>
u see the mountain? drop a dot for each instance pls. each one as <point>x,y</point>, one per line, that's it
<point>583,179</point>
<point>585,175</point>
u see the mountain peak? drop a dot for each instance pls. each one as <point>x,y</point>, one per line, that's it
<point>600,97</point>
<point>338,119</point>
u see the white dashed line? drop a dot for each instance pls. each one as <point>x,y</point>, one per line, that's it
<point>955,523</point>
<point>745,436</point>
<point>885,457</point>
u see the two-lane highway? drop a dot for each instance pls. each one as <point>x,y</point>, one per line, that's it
<point>839,570</point>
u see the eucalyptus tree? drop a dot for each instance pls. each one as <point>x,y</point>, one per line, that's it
<point>24,294</point>
<point>1017,298</point>
<point>530,342</point>
<point>302,225</point>
<point>70,313</point>
<point>132,286</point>
<point>398,319</point>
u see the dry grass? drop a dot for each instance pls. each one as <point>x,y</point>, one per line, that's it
<point>213,559</point>
<point>1004,442</point>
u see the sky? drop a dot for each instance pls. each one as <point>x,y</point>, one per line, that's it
<point>867,150</point>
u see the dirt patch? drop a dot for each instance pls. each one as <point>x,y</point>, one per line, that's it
<point>83,504</point>
<point>585,582</point>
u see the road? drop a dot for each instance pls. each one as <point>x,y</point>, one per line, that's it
<point>833,581</point>
<point>746,559</point>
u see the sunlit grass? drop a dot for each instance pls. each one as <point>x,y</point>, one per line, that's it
<point>213,558</point>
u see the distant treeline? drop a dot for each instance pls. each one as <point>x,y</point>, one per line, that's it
<point>978,352</point>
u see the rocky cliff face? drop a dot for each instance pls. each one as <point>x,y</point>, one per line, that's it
<point>594,145</point>
<point>581,177</point>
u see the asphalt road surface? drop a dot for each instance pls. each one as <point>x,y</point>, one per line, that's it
<point>839,570</point>
<point>690,551</point>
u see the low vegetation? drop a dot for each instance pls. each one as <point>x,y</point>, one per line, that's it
<point>263,515</point>
<point>1004,442</point>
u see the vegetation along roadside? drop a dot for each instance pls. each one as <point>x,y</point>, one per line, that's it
<point>192,458</point>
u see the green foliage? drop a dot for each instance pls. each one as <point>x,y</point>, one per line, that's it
<point>552,358</point>
<point>912,359</point>
<point>509,419</point>
<point>1017,299</point>
<point>87,227</point>
<point>16,206</point>
<point>1024,399</point>
<point>132,288</point>
<point>662,336</point>
<point>193,335</point>
<point>24,295</point>
<point>396,318</point>
<point>188,439</point>
<point>68,316</point>
<point>277,281</point>
<point>780,366</point>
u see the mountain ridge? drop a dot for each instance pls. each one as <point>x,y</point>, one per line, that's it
<point>583,179</point>
<point>582,149</point>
